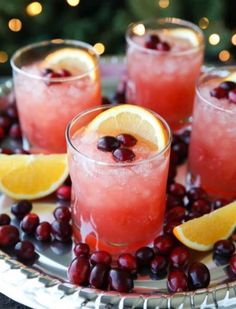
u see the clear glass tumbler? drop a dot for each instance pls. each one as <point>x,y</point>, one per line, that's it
<point>164,58</point>
<point>53,82</point>
<point>116,207</point>
<point>212,163</point>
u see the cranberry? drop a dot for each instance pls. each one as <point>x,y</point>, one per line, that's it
<point>21,209</point>
<point>81,249</point>
<point>193,215</point>
<point>2,133</point>
<point>127,140</point>
<point>62,231</point>
<point>168,228</point>
<point>5,122</point>
<point>4,219</point>
<point>232,95</point>
<point>120,280</point>
<point>21,151</point>
<point>163,46</point>
<point>98,257</point>
<point>106,101</point>
<point>227,85</point>
<point>224,248</point>
<point>62,213</point>
<point>181,150</point>
<point>196,193</point>
<point>29,223</point>
<point>11,112</point>
<point>79,271</point>
<point>43,231</point>
<point>176,189</point>
<point>201,206</point>
<point>15,131</point>
<point>173,201</point>
<point>177,281</point>
<point>6,150</point>
<point>164,244</point>
<point>98,278</point>
<point>218,93</point>
<point>218,203</point>
<point>159,264</point>
<point>151,41</point>
<point>172,173</point>
<point>9,235</point>
<point>185,137</point>
<point>65,73</point>
<point>173,158</point>
<point>64,193</point>
<point>175,214</point>
<point>198,276</point>
<point>24,250</point>
<point>123,155</point>
<point>179,257</point>
<point>127,261</point>
<point>232,263</point>
<point>108,143</point>
<point>144,256</point>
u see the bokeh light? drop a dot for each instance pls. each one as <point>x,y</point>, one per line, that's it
<point>233,39</point>
<point>100,48</point>
<point>203,22</point>
<point>224,55</point>
<point>15,24</point>
<point>73,2</point>
<point>214,39</point>
<point>34,8</point>
<point>3,56</point>
<point>163,4</point>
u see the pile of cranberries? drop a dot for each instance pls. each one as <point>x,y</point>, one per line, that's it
<point>119,146</point>
<point>153,41</point>
<point>226,89</point>
<point>166,258</point>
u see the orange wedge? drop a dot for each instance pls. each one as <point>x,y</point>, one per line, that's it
<point>36,177</point>
<point>134,120</point>
<point>201,233</point>
<point>75,60</point>
<point>9,163</point>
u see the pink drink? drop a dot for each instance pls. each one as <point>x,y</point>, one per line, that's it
<point>212,161</point>
<point>46,106</point>
<point>116,206</point>
<point>164,81</point>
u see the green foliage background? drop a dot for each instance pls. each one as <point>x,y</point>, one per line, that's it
<point>106,21</point>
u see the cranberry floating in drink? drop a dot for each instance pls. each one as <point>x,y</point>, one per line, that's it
<point>53,82</point>
<point>212,163</point>
<point>164,58</point>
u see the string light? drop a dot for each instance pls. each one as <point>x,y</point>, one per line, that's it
<point>100,48</point>
<point>233,39</point>
<point>3,57</point>
<point>15,24</point>
<point>214,39</point>
<point>73,2</point>
<point>34,8</point>
<point>224,55</point>
<point>139,29</point>
<point>164,4</point>
<point>203,22</point>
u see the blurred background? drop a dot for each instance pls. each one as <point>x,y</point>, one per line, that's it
<point>103,23</point>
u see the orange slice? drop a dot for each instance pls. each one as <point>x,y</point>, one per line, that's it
<point>37,177</point>
<point>133,120</point>
<point>11,162</point>
<point>186,34</point>
<point>76,61</point>
<point>201,233</point>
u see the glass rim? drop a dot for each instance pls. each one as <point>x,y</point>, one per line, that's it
<point>115,164</point>
<point>209,73</point>
<point>55,42</point>
<point>166,20</point>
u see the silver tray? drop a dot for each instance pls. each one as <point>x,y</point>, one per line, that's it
<point>44,285</point>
